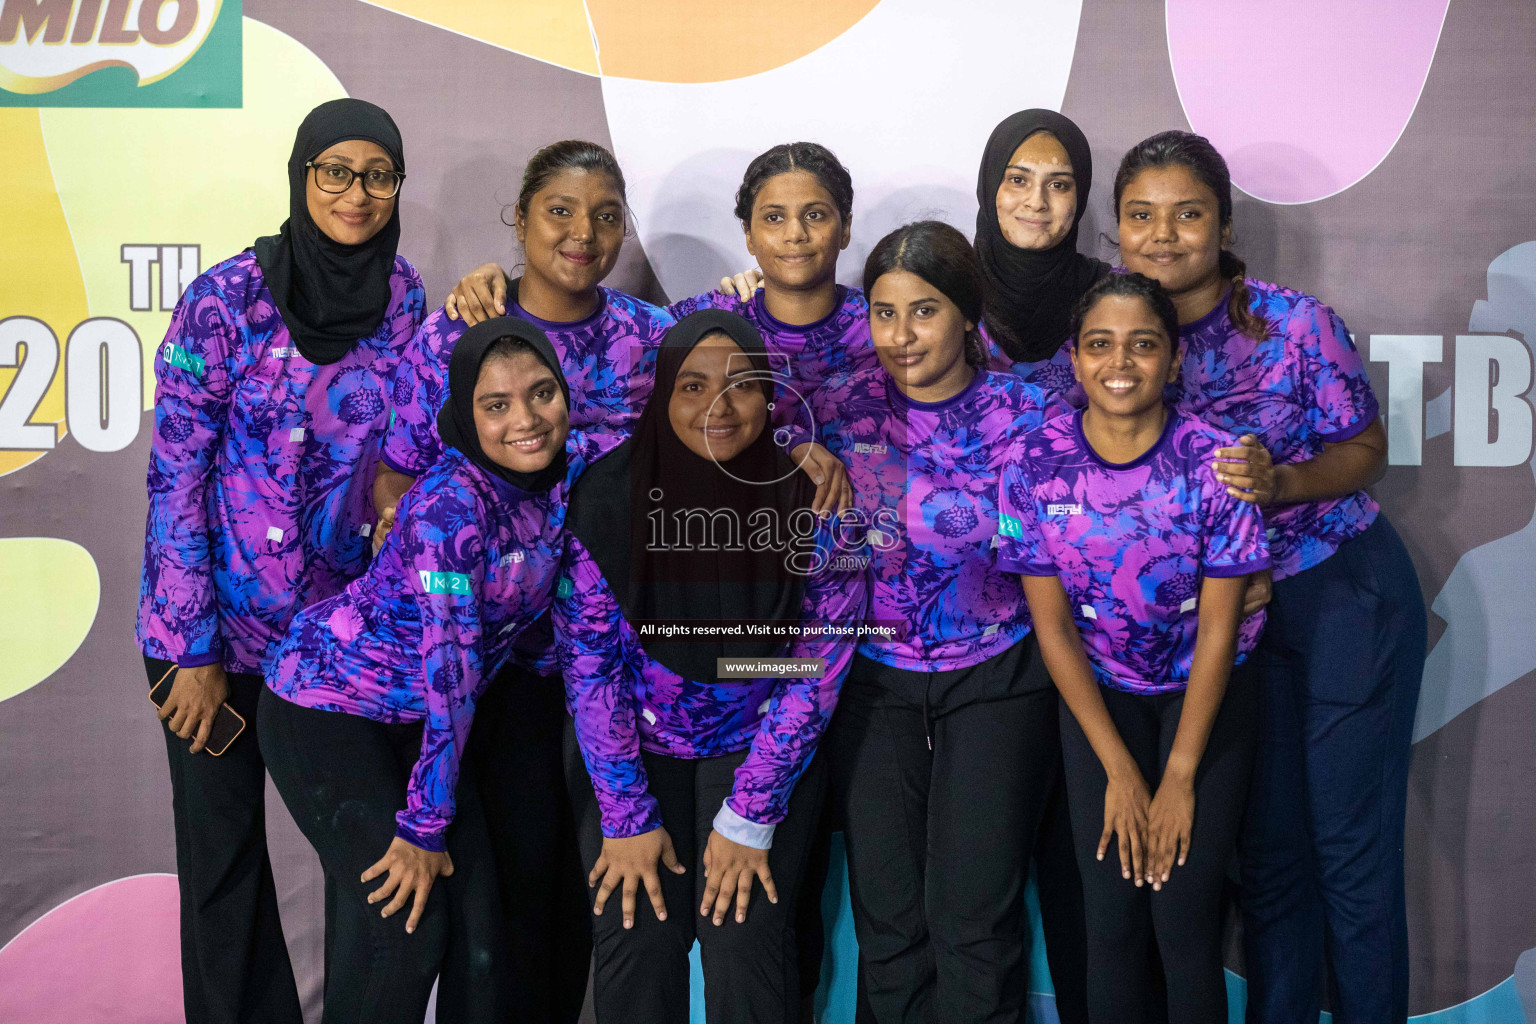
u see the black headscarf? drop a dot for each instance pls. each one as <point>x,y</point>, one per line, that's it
<point>330,295</point>
<point>456,419</point>
<point>654,475</point>
<point>1032,290</point>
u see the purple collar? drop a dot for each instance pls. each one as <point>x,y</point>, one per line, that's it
<point>898,397</point>
<point>760,312</point>
<point>561,326</point>
<point>1140,460</point>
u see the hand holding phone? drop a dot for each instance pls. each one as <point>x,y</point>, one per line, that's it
<point>193,699</point>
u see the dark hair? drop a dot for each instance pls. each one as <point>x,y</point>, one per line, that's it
<point>796,156</point>
<point>942,256</point>
<point>1195,152</point>
<point>572,154</point>
<point>1133,286</point>
<point>507,346</point>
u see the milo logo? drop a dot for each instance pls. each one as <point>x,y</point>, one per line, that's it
<point>120,53</point>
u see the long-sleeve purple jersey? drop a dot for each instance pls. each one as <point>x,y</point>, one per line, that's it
<point>804,357</point>
<point>609,361</point>
<point>1301,387</point>
<point>925,479</point>
<point>1130,543</point>
<point>623,701</point>
<point>470,564</point>
<point>260,469</point>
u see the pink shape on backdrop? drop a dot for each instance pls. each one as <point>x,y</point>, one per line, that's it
<point>111,955</point>
<point>1303,97</point>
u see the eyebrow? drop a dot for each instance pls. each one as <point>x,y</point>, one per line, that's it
<point>488,395</point>
<point>695,374</point>
<point>373,163</point>
<point>576,200</point>
<point>1066,173</point>
<point>1136,332</point>
<point>1181,202</point>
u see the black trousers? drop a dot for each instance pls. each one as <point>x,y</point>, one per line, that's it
<point>234,963</point>
<point>1184,920</point>
<point>1060,888</point>
<point>1056,882</point>
<point>515,745</point>
<point>750,969</point>
<point>940,779</point>
<point>344,777</point>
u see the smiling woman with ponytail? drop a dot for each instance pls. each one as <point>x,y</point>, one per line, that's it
<point>1343,649</point>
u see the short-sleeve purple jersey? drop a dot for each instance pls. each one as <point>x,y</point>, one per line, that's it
<point>470,564</point>
<point>609,361</point>
<point>624,702</point>
<point>1302,386</point>
<point>261,468</point>
<point>813,354</point>
<point>1130,543</point>
<point>925,479</point>
<point>1053,376</point>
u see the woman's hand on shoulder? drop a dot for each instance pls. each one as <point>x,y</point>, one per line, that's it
<point>1247,472</point>
<point>480,295</point>
<point>834,492</point>
<point>742,285</point>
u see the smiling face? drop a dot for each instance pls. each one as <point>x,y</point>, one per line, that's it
<point>1037,200</point>
<point>919,335</point>
<point>572,231</point>
<point>716,408</point>
<point>796,231</point>
<point>520,414</point>
<point>1171,230</point>
<point>351,217</point>
<point>1124,356</point>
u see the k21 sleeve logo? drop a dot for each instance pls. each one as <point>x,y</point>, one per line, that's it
<point>120,53</point>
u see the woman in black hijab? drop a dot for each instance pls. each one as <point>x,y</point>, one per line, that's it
<point>1031,190</point>
<point>375,691</point>
<point>329,266</point>
<point>699,523</point>
<point>271,400</point>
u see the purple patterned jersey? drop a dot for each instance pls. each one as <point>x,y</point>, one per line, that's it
<point>470,564</point>
<point>261,468</point>
<point>624,702</point>
<point>925,479</point>
<point>837,344</point>
<point>1130,543</point>
<point>609,361</point>
<point>1054,376</point>
<point>1301,387</point>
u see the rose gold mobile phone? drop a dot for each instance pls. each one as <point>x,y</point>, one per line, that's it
<point>227,724</point>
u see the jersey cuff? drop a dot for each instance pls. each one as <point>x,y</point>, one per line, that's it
<point>199,660</point>
<point>1242,569</point>
<point>739,830</point>
<point>1368,415</point>
<point>436,842</point>
<point>796,435</point>
<point>1021,568</point>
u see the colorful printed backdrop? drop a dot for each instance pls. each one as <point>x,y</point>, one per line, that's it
<point>1383,153</point>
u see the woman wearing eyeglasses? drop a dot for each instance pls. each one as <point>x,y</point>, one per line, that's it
<point>270,405</point>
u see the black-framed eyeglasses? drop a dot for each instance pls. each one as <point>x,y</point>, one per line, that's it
<point>337,178</point>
